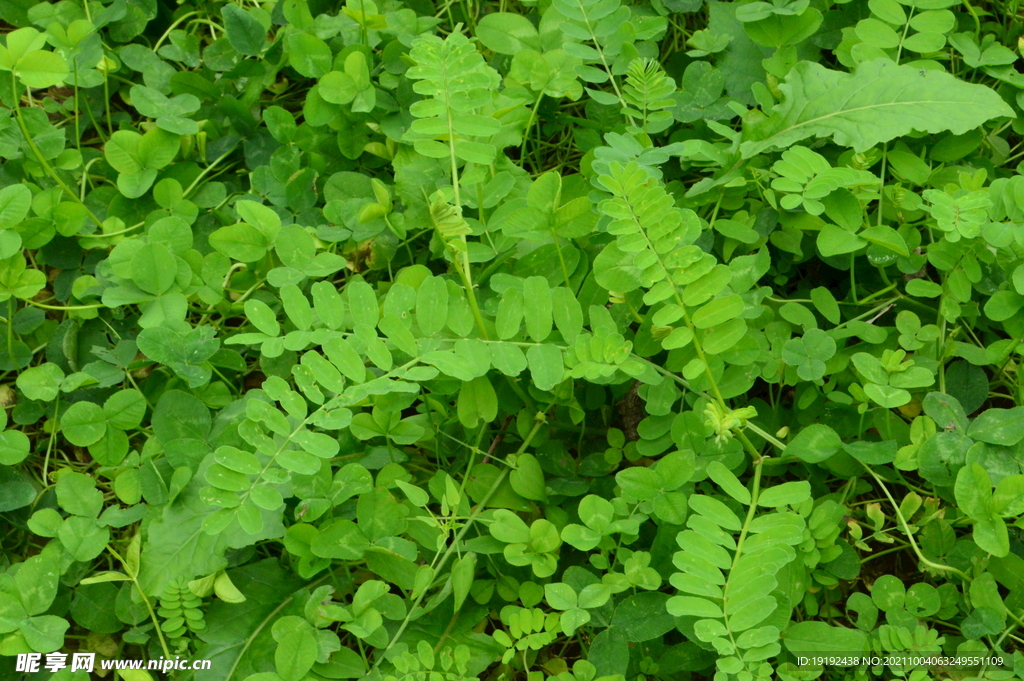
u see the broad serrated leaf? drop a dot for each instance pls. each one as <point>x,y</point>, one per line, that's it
<point>876,103</point>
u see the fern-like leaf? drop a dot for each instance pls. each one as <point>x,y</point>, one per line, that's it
<point>648,94</point>
<point>597,22</point>
<point>456,83</point>
<point>729,582</point>
<point>655,249</point>
<point>654,237</point>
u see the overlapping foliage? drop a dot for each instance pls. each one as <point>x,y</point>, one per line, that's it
<point>579,339</point>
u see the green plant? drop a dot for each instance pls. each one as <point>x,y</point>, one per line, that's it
<point>582,339</point>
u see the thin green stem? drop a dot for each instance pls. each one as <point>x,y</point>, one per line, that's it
<point>95,123</point>
<point>173,26</point>
<point>78,114</point>
<point>751,511</point>
<point>974,13</point>
<point>754,493</point>
<point>529,124</point>
<point>881,176</point>
<point>906,27</point>
<point>212,26</point>
<point>267,620</point>
<point>876,294</point>
<point>39,156</point>
<point>205,172</point>
<point>853,279</point>
<point>905,527</point>
<point>604,62</point>
<point>879,554</point>
<point>463,267</point>
<point>467,283</point>
<point>540,418</point>
<point>561,259</point>
<point>53,438</point>
<point>117,233</point>
<point>106,101</point>
<point>65,308</point>
<point>149,606</point>
<point>10,328</point>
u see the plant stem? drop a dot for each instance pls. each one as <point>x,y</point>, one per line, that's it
<point>149,606</point>
<point>39,156</point>
<point>755,492</point>
<point>540,419</point>
<point>172,27</point>
<point>467,283</point>
<point>106,98</point>
<point>906,529</point>
<point>204,173</point>
<point>266,620</point>
<point>751,511</point>
<point>53,437</point>
<point>977,20</point>
<point>881,178</point>
<point>93,306</point>
<point>10,328</point>
<point>526,130</point>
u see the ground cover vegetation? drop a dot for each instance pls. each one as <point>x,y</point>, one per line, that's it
<point>512,340</point>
